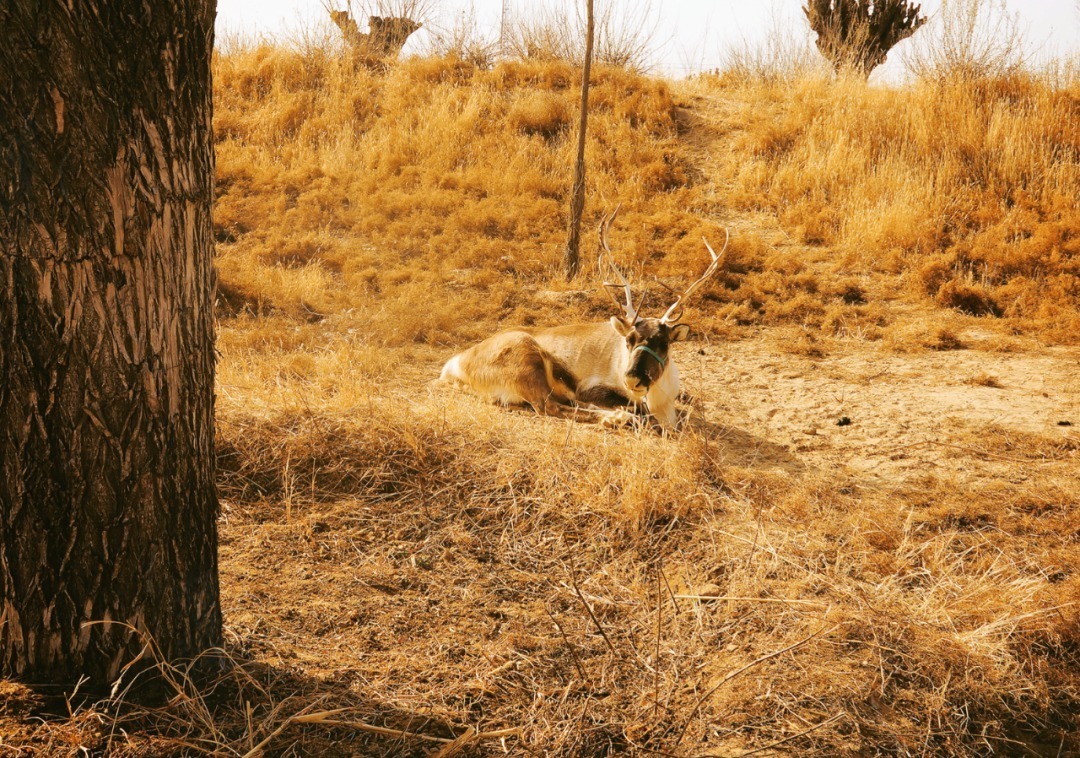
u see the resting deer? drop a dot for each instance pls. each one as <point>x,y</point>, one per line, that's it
<point>613,370</point>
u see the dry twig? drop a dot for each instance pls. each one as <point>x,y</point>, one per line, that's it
<point>470,737</point>
<point>737,672</point>
<point>803,733</point>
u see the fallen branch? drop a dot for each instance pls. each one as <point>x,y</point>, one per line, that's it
<point>299,718</point>
<point>360,725</point>
<point>573,653</point>
<point>470,737</point>
<point>803,733</point>
<point>453,748</point>
<point>588,608</point>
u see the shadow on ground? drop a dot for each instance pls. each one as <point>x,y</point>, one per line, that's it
<point>250,705</point>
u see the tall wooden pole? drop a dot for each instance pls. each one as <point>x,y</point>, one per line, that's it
<point>572,260</point>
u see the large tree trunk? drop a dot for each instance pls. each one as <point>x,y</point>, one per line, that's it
<point>107,500</point>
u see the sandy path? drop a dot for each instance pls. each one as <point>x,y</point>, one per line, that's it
<point>902,407</point>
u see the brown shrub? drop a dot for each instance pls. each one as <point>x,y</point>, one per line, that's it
<point>972,299</point>
<point>544,114</point>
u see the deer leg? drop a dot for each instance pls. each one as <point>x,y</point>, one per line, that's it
<point>551,391</point>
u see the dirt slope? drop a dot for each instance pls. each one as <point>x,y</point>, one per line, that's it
<point>908,414</point>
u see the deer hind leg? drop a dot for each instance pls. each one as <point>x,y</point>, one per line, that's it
<point>543,383</point>
<point>512,369</point>
<point>561,397</point>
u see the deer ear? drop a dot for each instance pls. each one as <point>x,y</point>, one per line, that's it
<point>620,326</point>
<point>678,333</point>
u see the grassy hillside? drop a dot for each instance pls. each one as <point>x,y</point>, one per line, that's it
<point>432,196</point>
<point>372,222</point>
<point>347,190</point>
<point>431,563</point>
<point>966,186</point>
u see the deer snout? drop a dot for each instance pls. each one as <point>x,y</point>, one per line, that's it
<point>636,387</point>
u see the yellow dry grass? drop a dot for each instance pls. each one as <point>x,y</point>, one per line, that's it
<point>967,186</point>
<point>430,563</point>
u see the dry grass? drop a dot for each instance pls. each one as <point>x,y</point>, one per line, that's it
<point>433,565</point>
<point>965,186</point>
<point>440,183</point>
<point>561,582</point>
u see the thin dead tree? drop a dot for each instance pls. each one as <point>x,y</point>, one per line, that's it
<point>572,258</point>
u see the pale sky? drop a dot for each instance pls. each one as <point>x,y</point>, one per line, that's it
<point>691,35</point>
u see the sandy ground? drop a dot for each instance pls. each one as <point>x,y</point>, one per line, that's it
<point>909,413</point>
<point>883,417</point>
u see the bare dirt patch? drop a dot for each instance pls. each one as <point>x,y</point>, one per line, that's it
<point>909,414</point>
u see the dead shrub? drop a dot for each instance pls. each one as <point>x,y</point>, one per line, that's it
<point>546,115</point>
<point>945,339</point>
<point>968,298</point>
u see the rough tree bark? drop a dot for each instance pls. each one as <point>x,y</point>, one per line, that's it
<point>107,499</point>
<point>571,258</point>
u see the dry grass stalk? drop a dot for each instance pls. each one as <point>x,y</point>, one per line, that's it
<point>451,746</point>
<point>785,740</point>
<point>739,672</point>
<point>785,601</point>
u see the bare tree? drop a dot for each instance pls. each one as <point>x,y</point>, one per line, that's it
<point>572,258</point>
<point>858,34</point>
<point>625,33</point>
<point>464,38</point>
<point>107,500</point>
<point>390,24</point>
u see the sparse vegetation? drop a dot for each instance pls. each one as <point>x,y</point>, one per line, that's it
<point>963,187</point>
<point>903,583</point>
<point>969,40</point>
<point>556,30</point>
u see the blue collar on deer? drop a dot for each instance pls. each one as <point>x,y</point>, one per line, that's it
<point>650,351</point>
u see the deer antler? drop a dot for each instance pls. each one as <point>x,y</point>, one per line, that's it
<point>629,309</point>
<point>672,313</point>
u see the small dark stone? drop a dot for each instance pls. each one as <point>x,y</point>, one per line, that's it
<point>701,352</point>
<point>1064,423</point>
<point>844,421</point>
